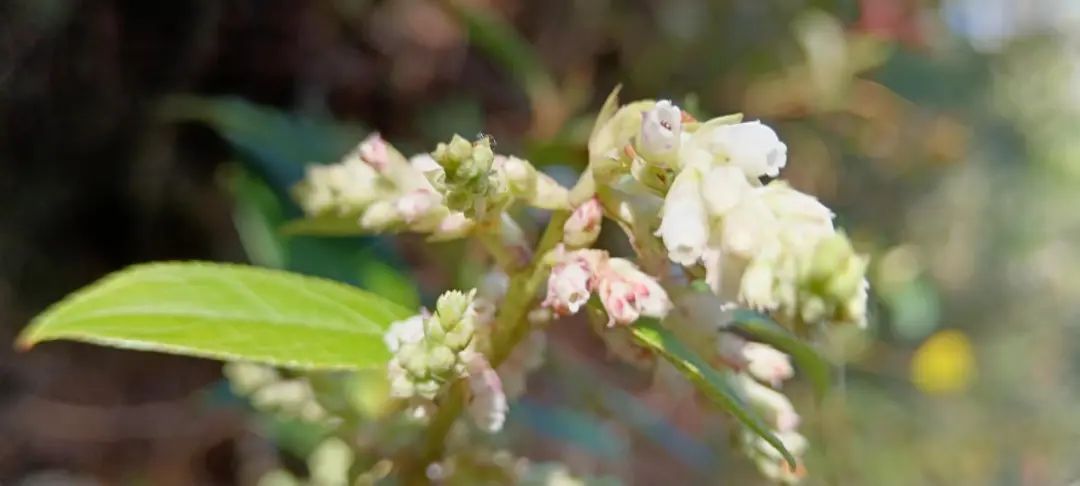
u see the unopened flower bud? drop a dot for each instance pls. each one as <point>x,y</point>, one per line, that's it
<point>458,151</point>
<point>661,132</point>
<point>440,359</point>
<point>830,254</point>
<point>487,401</point>
<point>407,331</point>
<point>380,216</point>
<point>520,175</point>
<point>433,329</point>
<point>452,226</point>
<point>375,152</point>
<point>774,407</point>
<point>757,287</point>
<point>583,226</point>
<point>460,336</point>
<point>628,293</point>
<point>767,363</point>
<point>482,154</point>
<point>813,309</point>
<point>417,205</point>
<point>414,359</point>
<point>453,306</point>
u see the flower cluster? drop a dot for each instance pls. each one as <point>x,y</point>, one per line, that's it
<point>774,247</point>
<point>432,351</point>
<point>626,292</point>
<point>383,191</point>
<point>695,199</point>
<point>444,194</point>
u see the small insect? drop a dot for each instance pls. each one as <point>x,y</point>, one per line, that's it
<point>491,140</point>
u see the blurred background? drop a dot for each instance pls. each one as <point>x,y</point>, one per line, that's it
<point>945,134</point>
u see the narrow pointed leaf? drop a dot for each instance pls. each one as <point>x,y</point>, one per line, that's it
<point>228,312</point>
<point>649,333</point>
<point>759,327</point>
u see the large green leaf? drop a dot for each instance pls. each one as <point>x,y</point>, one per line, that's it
<point>761,328</point>
<point>652,335</point>
<point>229,312</point>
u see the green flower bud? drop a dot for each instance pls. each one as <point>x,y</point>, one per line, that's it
<point>813,309</point>
<point>452,307</point>
<point>427,389</point>
<point>830,254</point>
<point>440,360</point>
<point>433,330</point>
<point>460,336</point>
<point>413,358</point>
<point>458,151</point>
<point>482,154</point>
<point>847,279</point>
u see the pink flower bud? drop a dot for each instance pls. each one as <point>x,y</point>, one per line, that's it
<point>375,152</point>
<point>583,226</point>
<point>628,293</point>
<point>416,205</point>
<point>569,286</point>
<point>487,402</point>
<point>767,363</point>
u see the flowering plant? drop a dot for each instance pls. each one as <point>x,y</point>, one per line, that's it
<point>731,277</point>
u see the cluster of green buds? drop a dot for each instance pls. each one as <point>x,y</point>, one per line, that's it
<point>430,352</point>
<point>835,287</point>
<point>467,178</point>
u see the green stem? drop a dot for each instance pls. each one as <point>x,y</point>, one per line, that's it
<point>511,326</point>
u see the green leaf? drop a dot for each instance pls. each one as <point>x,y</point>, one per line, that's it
<point>228,312</point>
<point>276,144</point>
<point>611,105</point>
<point>652,335</point>
<point>759,327</point>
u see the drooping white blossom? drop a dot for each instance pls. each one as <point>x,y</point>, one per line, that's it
<point>684,226</point>
<point>723,187</point>
<point>750,146</point>
<point>748,227</point>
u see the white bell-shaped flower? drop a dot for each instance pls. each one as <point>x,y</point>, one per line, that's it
<point>684,225</point>
<point>750,146</point>
<point>748,227</point>
<point>723,186</point>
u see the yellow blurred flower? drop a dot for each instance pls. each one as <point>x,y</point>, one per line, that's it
<point>944,364</point>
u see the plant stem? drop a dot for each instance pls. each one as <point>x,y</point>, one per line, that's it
<point>511,326</point>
